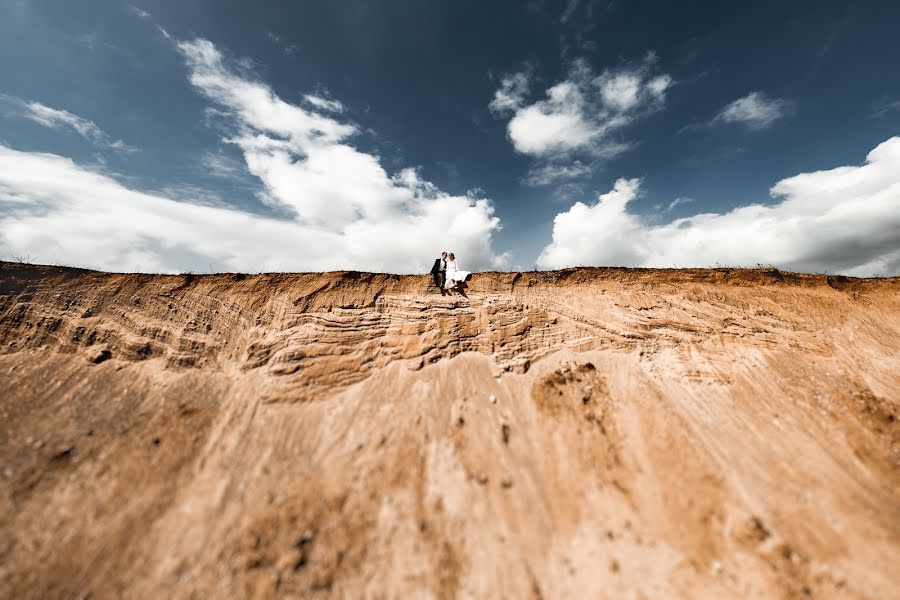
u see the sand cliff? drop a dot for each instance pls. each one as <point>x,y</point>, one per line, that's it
<point>589,433</point>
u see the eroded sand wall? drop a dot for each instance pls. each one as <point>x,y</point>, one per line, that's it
<point>582,433</point>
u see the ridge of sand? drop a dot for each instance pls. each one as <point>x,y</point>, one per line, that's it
<point>581,433</point>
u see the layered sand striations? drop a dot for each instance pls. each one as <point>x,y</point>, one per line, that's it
<point>600,433</point>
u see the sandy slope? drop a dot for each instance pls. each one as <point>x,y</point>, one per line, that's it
<point>594,433</point>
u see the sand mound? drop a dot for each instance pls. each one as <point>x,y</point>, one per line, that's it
<point>601,433</point>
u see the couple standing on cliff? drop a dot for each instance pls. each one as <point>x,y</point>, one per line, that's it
<point>447,276</point>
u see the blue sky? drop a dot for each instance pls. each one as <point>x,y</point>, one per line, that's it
<point>226,135</point>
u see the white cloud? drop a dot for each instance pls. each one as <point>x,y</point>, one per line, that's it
<point>621,90</point>
<point>598,234</point>
<point>658,85</point>
<point>842,220</point>
<point>64,213</point>
<point>540,132</point>
<point>549,173</point>
<point>678,202</point>
<point>55,118</point>
<point>219,164</point>
<point>512,92</point>
<point>571,7</point>
<point>883,108</point>
<point>140,12</point>
<point>186,192</point>
<point>51,117</point>
<point>324,103</point>
<point>290,49</point>
<point>348,211</point>
<point>579,115</point>
<point>755,110</point>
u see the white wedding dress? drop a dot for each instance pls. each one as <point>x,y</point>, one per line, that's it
<point>454,275</point>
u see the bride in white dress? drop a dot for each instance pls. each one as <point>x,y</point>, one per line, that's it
<point>454,275</point>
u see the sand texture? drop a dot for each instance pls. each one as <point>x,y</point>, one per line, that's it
<point>588,433</point>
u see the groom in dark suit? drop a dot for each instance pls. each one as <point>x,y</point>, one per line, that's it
<point>439,272</point>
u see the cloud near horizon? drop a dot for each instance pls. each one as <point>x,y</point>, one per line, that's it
<point>348,212</point>
<point>844,220</point>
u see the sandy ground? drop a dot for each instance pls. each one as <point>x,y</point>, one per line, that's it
<point>591,433</point>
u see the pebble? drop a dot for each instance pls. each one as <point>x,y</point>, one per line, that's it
<point>493,399</point>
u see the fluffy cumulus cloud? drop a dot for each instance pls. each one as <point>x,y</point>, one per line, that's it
<point>755,110</point>
<point>347,211</point>
<point>579,117</point>
<point>844,220</point>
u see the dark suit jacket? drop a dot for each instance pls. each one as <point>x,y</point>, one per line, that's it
<point>437,266</point>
